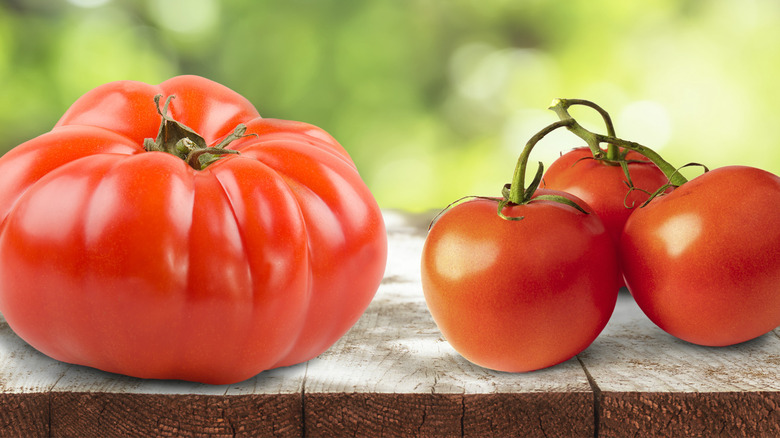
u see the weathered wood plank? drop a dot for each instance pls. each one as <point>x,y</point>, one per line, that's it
<point>394,375</point>
<point>87,402</point>
<point>97,414</point>
<point>653,384</point>
<point>26,377</point>
<point>44,397</point>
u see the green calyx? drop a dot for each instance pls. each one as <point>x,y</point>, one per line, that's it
<point>182,141</point>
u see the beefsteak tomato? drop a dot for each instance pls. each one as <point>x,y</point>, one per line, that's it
<point>118,256</point>
<point>703,262</point>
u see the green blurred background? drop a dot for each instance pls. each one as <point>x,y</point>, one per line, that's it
<point>434,99</point>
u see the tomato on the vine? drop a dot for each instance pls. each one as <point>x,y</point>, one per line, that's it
<point>701,258</point>
<point>522,282</point>
<point>519,295</point>
<point>703,262</point>
<point>195,241</point>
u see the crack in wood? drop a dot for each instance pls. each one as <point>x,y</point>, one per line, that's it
<point>303,399</point>
<point>47,426</point>
<point>463,415</point>
<point>596,398</point>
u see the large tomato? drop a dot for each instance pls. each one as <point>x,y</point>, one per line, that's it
<point>136,262</point>
<point>519,295</point>
<point>703,262</point>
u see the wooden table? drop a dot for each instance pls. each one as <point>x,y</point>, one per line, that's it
<point>394,375</point>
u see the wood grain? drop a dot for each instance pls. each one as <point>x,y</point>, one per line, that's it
<point>26,379</point>
<point>87,414</point>
<point>652,384</point>
<point>24,415</point>
<point>690,414</point>
<point>87,402</point>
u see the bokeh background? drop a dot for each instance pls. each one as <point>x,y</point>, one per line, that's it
<point>434,99</point>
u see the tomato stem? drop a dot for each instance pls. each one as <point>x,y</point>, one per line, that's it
<point>560,107</point>
<point>517,192</point>
<point>178,139</point>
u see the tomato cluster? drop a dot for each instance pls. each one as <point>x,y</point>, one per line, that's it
<point>530,279</point>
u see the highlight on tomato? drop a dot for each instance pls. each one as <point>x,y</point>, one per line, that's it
<point>168,231</point>
<point>521,282</point>
<point>702,257</point>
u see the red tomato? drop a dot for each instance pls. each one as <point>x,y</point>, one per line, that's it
<point>519,295</point>
<point>136,263</point>
<point>703,262</point>
<point>605,187</point>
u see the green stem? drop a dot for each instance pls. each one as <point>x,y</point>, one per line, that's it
<point>559,106</point>
<point>671,172</point>
<point>613,152</point>
<point>517,192</point>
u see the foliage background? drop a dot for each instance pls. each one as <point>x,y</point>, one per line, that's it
<point>434,99</point>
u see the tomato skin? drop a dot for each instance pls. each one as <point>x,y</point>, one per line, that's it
<point>133,262</point>
<point>519,295</point>
<point>605,187</point>
<point>703,262</point>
